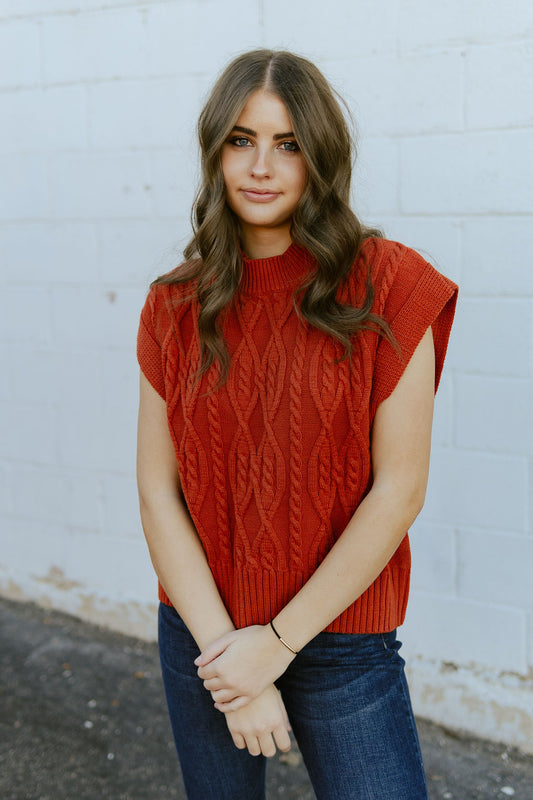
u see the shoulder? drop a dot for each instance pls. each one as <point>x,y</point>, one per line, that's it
<point>398,273</point>
<point>410,295</point>
<point>173,288</point>
<point>165,304</point>
<point>383,261</point>
<point>390,261</point>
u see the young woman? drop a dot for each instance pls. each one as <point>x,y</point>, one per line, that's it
<point>288,370</point>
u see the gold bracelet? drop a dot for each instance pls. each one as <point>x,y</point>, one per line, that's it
<point>287,645</point>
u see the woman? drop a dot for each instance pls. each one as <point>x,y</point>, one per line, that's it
<point>288,370</point>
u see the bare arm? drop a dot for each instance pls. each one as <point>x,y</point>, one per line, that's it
<point>401,438</point>
<point>181,566</point>
<point>175,549</point>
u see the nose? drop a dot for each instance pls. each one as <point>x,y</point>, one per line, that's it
<point>261,165</point>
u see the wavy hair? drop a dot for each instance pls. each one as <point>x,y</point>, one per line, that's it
<point>323,221</point>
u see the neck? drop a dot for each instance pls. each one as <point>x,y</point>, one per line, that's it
<point>265,242</point>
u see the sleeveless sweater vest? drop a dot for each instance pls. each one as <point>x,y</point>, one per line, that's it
<point>276,461</point>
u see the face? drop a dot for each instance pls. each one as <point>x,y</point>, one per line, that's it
<point>264,172</point>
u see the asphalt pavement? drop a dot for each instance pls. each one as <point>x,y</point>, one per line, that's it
<point>83,717</point>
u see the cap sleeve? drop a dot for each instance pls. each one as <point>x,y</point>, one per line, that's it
<point>413,295</point>
<point>150,339</point>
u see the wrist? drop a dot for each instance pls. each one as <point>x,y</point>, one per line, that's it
<point>282,642</point>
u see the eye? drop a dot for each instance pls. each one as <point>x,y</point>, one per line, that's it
<point>289,146</point>
<point>239,141</point>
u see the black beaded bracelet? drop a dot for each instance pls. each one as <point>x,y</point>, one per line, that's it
<point>287,645</point>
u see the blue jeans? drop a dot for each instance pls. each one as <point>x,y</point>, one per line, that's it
<point>348,703</point>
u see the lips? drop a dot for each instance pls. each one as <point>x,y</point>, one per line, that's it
<point>259,195</point>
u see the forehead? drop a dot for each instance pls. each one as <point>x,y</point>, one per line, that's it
<point>265,113</point>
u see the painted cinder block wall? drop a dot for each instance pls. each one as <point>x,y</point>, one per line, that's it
<point>98,101</point>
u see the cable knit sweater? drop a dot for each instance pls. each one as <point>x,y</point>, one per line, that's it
<point>274,463</point>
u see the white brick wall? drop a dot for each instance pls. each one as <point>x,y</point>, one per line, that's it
<point>435,565</point>
<point>493,336</point>
<point>86,47</point>
<point>50,252</point>
<point>496,411</point>
<point>506,575</point>
<point>498,96</point>
<point>505,243</point>
<point>194,36</point>
<point>457,630</point>
<point>471,173</point>
<point>27,116</point>
<point>347,31</point>
<point>20,53</point>
<point>98,101</point>
<point>24,187</point>
<point>393,100</point>
<point>451,23</point>
<point>478,488</point>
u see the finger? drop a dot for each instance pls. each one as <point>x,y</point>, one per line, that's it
<point>213,685</point>
<point>286,721</point>
<point>224,695</point>
<point>233,705</point>
<point>208,672</point>
<point>268,748</point>
<point>212,651</point>
<point>238,741</point>
<point>282,738</point>
<point>254,748</point>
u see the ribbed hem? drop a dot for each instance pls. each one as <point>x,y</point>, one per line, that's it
<point>261,275</point>
<point>256,597</point>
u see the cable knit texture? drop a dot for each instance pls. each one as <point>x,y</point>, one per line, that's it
<point>274,464</point>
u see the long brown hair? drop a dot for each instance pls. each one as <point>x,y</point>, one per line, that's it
<point>323,222</point>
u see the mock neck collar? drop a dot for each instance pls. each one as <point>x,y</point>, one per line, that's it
<point>260,275</point>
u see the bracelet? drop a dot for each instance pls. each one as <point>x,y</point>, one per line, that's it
<point>287,645</point>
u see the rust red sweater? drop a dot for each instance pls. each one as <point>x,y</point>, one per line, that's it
<point>275,463</point>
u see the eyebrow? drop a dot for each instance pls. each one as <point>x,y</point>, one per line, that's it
<point>250,132</point>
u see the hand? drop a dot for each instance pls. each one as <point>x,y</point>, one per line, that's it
<point>261,725</point>
<point>237,667</point>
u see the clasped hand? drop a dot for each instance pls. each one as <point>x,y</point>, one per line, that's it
<point>261,725</point>
<point>240,665</point>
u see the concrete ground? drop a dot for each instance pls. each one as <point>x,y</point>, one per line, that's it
<point>82,717</point>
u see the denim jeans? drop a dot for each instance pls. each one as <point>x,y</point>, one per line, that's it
<point>348,703</point>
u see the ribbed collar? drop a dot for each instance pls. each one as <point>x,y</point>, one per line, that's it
<point>261,275</point>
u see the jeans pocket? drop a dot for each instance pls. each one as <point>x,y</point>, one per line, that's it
<point>176,645</point>
<point>391,646</point>
<point>358,651</point>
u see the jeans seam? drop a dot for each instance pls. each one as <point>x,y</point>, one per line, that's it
<point>414,733</point>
